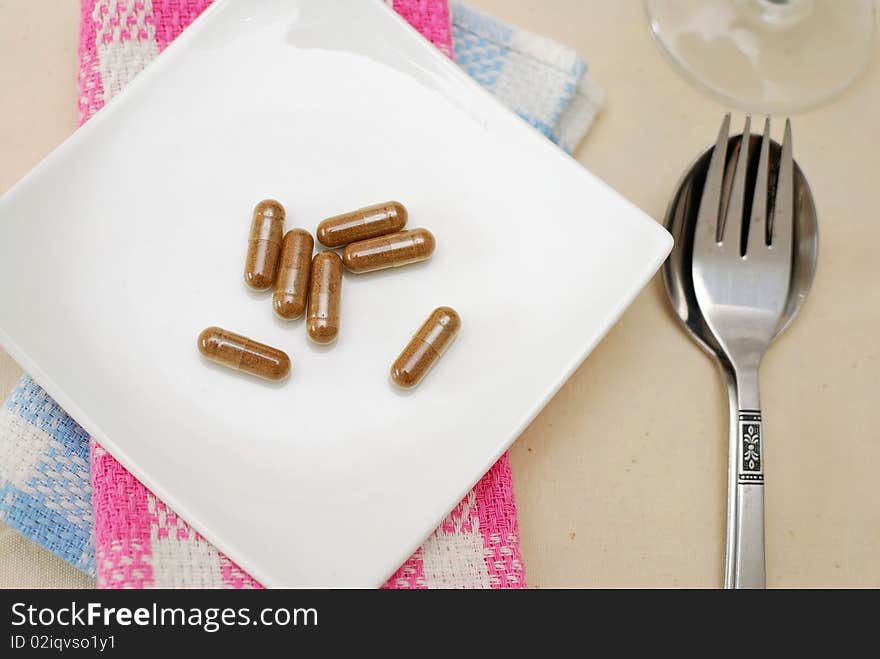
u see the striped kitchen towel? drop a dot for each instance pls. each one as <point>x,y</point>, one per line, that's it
<point>50,482</point>
<point>543,81</point>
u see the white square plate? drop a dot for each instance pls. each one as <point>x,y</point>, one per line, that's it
<point>127,241</point>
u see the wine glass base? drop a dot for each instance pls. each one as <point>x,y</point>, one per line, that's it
<point>772,56</point>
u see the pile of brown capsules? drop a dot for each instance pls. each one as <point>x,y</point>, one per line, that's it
<point>373,238</point>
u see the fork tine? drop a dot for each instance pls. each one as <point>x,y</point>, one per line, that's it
<point>710,201</point>
<point>731,229</point>
<point>782,228</point>
<point>758,238</point>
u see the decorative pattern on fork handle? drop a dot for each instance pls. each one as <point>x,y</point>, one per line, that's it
<point>750,469</point>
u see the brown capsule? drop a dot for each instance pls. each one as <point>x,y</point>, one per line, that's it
<point>426,347</point>
<point>391,251</point>
<point>264,245</point>
<point>242,354</point>
<point>294,270</point>
<point>325,293</point>
<point>368,222</point>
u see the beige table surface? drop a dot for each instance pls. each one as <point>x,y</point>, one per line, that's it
<point>620,481</point>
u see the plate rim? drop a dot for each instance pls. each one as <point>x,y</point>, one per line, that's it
<point>659,236</point>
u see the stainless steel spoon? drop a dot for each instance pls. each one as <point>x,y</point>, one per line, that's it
<point>680,221</point>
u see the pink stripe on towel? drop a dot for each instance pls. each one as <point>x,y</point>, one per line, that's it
<point>122,526</point>
<point>431,18</point>
<point>91,89</point>
<point>172,16</point>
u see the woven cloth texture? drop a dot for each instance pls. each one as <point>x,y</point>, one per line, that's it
<point>45,489</point>
<point>543,81</point>
<point>50,480</point>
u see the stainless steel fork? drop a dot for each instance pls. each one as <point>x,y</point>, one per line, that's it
<point>742,274</point>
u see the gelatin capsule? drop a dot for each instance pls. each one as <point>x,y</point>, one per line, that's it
<point>426,347</point>
<point>264,245</point>
<point>325,291</point>
<point>389,251</point>
<point>242,354</point>
<point>294,271</point>
<point>368,222</point>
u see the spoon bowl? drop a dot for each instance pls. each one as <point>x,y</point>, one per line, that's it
<point>680,221</point>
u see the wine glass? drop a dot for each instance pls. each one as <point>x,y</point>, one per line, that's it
<point>767,56</point>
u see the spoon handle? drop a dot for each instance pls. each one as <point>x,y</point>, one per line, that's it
<point>733,449</point>
<point>745,558</point>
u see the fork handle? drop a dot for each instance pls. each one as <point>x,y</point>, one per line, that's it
<point>746,548</point>
<point>749,566</point>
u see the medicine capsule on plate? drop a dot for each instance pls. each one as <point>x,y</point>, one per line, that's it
<point>264,245</point>
<point>391,251</point>
<point>368,222</point>
<point>294,271</point>
<point>325,291</point>
<point>426,347</point>
<point>242,354</point>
